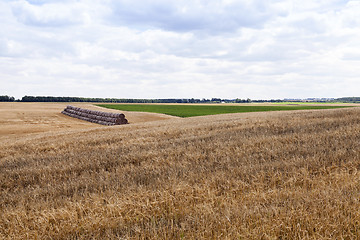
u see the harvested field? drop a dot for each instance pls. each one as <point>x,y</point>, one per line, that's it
<point>28,120</point>
<point>265,175</point>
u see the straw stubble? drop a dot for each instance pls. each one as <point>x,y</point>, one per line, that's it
<point>276,176</point>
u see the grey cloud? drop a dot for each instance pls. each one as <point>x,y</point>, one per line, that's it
<point>182,16</point>
<point>3,47</point>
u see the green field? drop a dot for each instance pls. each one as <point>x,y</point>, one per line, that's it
<point>202,110</point>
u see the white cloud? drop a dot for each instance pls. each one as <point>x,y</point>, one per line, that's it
<point>164,49</point>
<point>56,13</point>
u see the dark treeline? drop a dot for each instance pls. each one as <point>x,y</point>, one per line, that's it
<point>107,100</point>
<point>126,100</point>
<point>349,99</point>
<point>6,98</point>
<point>272,100</point>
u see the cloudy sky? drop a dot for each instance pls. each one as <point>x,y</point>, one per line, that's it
<point>180,49</point>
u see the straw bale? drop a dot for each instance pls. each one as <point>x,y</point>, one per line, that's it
<point>104,118</point>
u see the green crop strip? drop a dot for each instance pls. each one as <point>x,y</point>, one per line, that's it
<point>202,110</point>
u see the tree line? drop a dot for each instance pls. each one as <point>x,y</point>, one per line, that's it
<point>349,99</point>
<point>6,98</point>
<point>108,100</point>
<point>117,100</point>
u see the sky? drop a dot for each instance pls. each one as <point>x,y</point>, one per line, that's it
<point>226,49</point>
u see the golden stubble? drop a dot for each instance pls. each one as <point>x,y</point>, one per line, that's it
<point>288,175</point>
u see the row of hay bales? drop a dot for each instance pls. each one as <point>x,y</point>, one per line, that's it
<point>104,118</point>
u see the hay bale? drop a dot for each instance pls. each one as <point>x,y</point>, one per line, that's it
<point>104,118</point>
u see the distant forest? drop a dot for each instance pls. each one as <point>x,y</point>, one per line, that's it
<point>6,98</point>
<point>348,99</point>
<point>116,100</point>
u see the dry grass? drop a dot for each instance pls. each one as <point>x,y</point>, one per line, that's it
<point>288,175</point>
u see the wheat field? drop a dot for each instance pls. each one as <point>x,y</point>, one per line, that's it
<point>273,175</point>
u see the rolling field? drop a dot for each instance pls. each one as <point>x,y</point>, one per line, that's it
<point>189,110</point>
<point>28,120</point>
<point>259,175</point>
